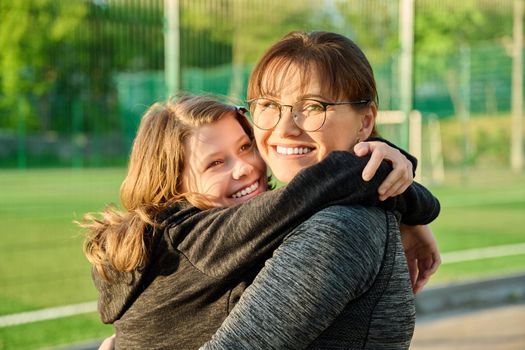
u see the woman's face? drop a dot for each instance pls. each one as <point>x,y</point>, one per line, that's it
<point>222,162</point>
<point>283,147</point>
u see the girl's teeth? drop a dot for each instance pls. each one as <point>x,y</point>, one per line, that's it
<point>293,150</point>
<point>246,190</point>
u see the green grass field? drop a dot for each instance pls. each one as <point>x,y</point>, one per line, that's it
<point>42,265</point>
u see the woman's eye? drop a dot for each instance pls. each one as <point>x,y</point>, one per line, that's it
<point>313,107</point>
<point>267,104</point>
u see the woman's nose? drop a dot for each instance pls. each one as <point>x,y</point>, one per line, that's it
<point>286,126</point>
<point>241,168</point>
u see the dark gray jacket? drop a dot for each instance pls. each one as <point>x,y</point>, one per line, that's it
<point>338,281</point>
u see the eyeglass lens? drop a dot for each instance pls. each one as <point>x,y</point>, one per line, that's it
<point>308,115</point>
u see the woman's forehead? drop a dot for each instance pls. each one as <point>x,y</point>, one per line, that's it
<point>296,79</point>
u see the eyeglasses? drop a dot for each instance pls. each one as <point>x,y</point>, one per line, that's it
<point>308,115</point>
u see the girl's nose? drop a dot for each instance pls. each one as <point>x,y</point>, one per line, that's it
<point>241,168</point>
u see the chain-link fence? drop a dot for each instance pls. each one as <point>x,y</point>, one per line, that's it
<point>78,75</point>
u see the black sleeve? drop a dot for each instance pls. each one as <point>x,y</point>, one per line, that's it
<point>417,205</point>
<point>222,241</point>
<point>410,157</point>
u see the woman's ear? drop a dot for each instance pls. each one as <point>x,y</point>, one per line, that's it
<point>368,121</point>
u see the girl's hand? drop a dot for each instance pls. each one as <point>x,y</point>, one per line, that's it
<point>422,254</point>
<point>108,343</point>
<point>399,178</point>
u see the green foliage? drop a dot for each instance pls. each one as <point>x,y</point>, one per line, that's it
<point>63,62</point>
<point>29,32</point>
<point>376,34</point>
<point>444,33</point>
<point>488,139</point>
<point>441,27</point>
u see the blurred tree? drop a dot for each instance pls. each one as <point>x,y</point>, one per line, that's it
<point>445,30</point>
<point>33,35</point>
<point>251,26</point>
<point>59,59</point>
<point>372,24</point>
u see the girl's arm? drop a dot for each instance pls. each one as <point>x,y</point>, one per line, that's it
<point>224,241</point>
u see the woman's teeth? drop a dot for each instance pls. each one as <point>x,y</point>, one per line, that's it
<point>293,150</point>
<point>246,191</point>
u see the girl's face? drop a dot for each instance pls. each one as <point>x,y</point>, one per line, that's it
<point>223,163</point>
<point>288,149</point>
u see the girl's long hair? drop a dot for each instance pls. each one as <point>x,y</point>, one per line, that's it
<point>120,239</point>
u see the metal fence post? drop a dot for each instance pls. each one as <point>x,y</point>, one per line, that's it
<point>171,46</point>
<point>516,158</point>
<point>406,64</point>
<point>21,137</point>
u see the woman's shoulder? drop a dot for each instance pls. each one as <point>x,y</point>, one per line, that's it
<point>351,226</point>
<point>345,215</point>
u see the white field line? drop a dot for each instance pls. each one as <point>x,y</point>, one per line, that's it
<point>76,309</point>
<point>47,314</point>
<point>483,253</point>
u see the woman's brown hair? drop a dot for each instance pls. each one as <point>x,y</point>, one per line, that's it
<point>121,239</point>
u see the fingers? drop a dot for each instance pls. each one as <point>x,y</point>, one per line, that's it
<point>419,285</point>
<point>436,262</point>
<point>426,268</point>
<point>395,183</point>
<point>412,271</point>
<point>364,148</point>
<point>399,178</point>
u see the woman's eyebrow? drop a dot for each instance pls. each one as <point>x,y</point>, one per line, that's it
<point>312,96</point>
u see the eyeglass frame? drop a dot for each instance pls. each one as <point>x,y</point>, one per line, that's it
<point>322,103</point>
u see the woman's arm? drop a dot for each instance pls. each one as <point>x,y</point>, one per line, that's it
<point>320,267</point>
<point>422,254</point>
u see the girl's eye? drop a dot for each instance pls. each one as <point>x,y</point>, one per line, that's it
<point>214,164</point>
<point>246,146</point>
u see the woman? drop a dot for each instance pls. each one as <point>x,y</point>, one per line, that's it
<point>164,264</point>
<point>311,94</point>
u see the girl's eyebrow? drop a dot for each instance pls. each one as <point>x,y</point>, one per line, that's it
<point>219,150</point>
